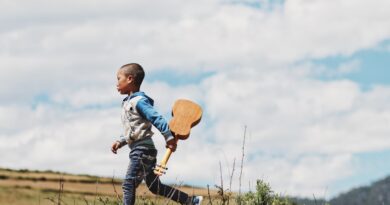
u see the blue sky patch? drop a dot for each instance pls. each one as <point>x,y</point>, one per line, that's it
<point>42,98</point>
<point>267,5</point>
<point>373,67</point>
<point>370,167</point>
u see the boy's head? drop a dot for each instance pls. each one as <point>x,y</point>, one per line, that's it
<point>130,77</point>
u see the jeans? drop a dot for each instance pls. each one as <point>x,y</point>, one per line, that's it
<point>142,163</point>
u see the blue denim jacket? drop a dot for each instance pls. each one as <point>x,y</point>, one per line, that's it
<point>138,116</point>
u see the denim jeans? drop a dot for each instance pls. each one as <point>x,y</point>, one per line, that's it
<point>142,163</point>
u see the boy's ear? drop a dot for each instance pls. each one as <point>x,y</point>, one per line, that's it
<point>130,79</point>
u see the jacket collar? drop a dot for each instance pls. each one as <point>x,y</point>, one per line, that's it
<point>139,93</point>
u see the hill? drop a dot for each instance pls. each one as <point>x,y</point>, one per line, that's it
<point>378,193</point>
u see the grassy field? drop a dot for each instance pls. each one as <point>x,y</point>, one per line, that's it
<point>23,187</point>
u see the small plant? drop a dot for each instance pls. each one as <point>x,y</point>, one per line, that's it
<point>263,196</point>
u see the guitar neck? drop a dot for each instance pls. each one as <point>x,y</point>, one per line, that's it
<point>165,159</point>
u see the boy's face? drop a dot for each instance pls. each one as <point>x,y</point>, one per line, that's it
<point>124,84</point>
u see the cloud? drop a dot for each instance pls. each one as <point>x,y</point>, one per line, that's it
<point>231,33</point>
<point>293,118</point>
<point>58,103</point>
<point>56,136</point>
<point>70,41</point>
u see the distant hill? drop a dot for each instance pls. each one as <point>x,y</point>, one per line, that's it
<point>377,193</point>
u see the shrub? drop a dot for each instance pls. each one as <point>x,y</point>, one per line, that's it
<point>263,196</point>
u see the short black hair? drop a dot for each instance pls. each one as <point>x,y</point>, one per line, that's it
<point>136,71</point>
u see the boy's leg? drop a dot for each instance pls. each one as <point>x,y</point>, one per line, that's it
<point>134,176</point>
<point>156,187</point>
<point>148,162</point>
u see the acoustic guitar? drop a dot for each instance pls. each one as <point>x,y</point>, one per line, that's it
<point>186,114</point>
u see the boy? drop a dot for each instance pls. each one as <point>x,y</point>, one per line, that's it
<point>138,116</point>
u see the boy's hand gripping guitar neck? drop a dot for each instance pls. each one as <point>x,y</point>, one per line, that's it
<point>186,114</point>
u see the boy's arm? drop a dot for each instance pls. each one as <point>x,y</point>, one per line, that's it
<point>145,108</point>
<point>118,144</point>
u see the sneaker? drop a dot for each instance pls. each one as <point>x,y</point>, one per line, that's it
<point>197,200</point>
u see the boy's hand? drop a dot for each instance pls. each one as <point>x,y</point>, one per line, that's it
<point>172,144</point>
<point>115,146</point>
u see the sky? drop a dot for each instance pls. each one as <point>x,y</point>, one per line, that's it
<point>305,81</point>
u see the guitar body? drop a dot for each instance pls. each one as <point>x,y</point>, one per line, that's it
<point>186,114</point>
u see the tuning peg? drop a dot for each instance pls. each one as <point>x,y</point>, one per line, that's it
<point>162,167</point>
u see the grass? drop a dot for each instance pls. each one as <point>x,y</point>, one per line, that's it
<point>30,196</point>
<point>53,188</point>
<point>44,187</point>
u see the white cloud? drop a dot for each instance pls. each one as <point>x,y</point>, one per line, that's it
<point>80,38</point>
<point>323,71</point>
<point>87,96</point>
<point>229,33</point>
<point>294,118</point>
<point>70,51</point>
<point>62,140</point>
<point>289,176</point>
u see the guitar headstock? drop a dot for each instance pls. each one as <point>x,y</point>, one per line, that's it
<point>159,170</point>
<point>162,168</point>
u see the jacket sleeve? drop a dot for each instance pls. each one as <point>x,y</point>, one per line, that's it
<point>146,110</point>
<point>122,141</point>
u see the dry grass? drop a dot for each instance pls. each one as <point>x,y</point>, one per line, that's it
<point>41,188</point>
<point>29,196</point>
<point>51,176</point>
<point>102,189</point>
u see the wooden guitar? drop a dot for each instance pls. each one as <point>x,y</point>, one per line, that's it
<point>186,114</point>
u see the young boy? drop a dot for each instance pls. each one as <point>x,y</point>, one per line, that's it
<point>138,116</point>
